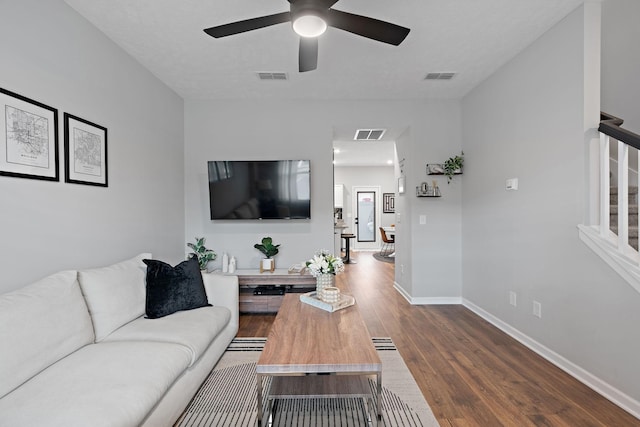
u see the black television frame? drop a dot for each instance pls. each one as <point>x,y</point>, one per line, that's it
<point>259,189</point>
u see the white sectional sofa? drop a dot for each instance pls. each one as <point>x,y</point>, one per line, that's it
<point>77,350</point>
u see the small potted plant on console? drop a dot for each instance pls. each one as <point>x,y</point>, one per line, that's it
<point>201,252</point>
<point>269,250</point>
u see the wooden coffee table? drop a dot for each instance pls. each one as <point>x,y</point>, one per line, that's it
<point>313,353</point>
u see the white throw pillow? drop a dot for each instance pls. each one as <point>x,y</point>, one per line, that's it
<point>115,294</point>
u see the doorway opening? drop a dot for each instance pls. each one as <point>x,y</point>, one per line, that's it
<point>363,173</point>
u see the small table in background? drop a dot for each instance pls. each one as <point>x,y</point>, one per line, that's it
<point>347,239</point>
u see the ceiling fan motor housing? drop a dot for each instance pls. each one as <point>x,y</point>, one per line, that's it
<point>304,8</point>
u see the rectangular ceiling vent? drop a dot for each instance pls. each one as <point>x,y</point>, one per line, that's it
<point>264,75</point>
<point>439,76</point>
<point>369,134</point>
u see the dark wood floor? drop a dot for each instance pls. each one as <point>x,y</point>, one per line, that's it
<point>470,373</point>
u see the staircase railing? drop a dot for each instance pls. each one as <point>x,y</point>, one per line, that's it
<point>610,129</point>
<point>614,240</point>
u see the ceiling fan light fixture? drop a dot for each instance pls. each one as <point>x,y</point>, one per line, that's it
<point>309,25</point>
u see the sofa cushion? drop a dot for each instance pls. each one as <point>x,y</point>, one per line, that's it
<point>171,289</point>
<point>194,329</point>
<point>114,294</point>
<point>39,325</point>
<point>100,385</point>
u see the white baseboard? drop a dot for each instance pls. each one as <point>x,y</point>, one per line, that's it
<point>616,396</point>
<point>427,300</point>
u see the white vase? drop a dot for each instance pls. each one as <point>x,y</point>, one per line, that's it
<point>324,281</point>
<point>267,264</point>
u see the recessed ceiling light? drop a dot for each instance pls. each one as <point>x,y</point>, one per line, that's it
<point>336,150</point>
<point>389,162</point>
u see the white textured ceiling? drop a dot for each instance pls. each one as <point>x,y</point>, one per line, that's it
<point>472,38</point>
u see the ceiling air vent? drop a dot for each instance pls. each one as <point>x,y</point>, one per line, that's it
<point>262,75</point>
<point>439,76</point>
<point>369,134</point>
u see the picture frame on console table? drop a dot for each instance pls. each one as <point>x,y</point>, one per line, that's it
<point>28,138</point>
<point>85,146</point>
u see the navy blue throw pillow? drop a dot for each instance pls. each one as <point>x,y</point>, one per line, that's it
<point>171,289</point>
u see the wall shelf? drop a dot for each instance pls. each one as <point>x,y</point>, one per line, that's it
<point>431,192</point>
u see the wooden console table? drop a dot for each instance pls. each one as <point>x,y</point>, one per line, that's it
<point>248,280</point>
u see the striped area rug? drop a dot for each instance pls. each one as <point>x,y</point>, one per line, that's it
<point>228,396</point>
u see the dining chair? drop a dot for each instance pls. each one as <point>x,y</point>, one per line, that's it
<point>388,243</point>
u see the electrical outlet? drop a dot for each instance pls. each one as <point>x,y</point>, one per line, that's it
<point>537,309</point>
<point>513,299</point>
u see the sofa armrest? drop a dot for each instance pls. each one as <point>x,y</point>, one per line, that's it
<point>222,290</point>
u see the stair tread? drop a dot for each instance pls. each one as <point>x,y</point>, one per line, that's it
<point>633,231</point>
<point>633,189</point>
<point>633,209</point>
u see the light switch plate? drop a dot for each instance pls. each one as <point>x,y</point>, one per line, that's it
<point>512,184</point>
<point>423,219</point>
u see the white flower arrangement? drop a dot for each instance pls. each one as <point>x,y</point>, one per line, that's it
<point>324,262</point>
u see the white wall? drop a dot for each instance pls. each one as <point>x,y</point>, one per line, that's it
<point>52,55</point>
<point>303,129</point>
<point>528,123</point>
<point>621,62</point>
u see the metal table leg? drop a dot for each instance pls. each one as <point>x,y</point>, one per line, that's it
<point>259,396</point>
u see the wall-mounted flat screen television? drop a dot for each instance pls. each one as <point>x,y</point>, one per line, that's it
<point>260,189</point>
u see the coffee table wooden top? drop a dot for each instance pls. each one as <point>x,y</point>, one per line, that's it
<point>305,339</point>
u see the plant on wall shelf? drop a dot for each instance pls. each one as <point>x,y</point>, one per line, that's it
<point>201,252</point>
<point>453,166</point>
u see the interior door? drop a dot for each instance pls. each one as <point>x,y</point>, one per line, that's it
<point>366,217</point>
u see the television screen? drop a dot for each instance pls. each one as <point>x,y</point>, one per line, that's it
<point>260,189</point>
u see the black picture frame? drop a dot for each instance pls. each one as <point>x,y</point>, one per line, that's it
<point>435,169</point>
<point>85,147</point>
<point>388,203</point>
<point>28,138</point>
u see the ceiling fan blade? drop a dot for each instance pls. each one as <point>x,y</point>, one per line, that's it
<point>328,3</point>
<point>324,3</point>
<point>248,25</point>
<point>308,54</point>
<point>371,28</point>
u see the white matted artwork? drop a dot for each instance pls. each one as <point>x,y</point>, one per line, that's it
<point>28,138</point>
<point>85,146</point>
<point>435,169</point>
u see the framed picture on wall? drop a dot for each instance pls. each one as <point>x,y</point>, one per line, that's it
<point>388,203</point>
<point>85,146</point>
<point>28,138</point>
<point>435,169</point>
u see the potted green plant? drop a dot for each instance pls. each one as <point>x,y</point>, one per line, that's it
<point>201,252</point>
<point>269,250</point>
<point>453,166</point>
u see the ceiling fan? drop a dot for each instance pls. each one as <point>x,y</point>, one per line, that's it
<point>310,18</point>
